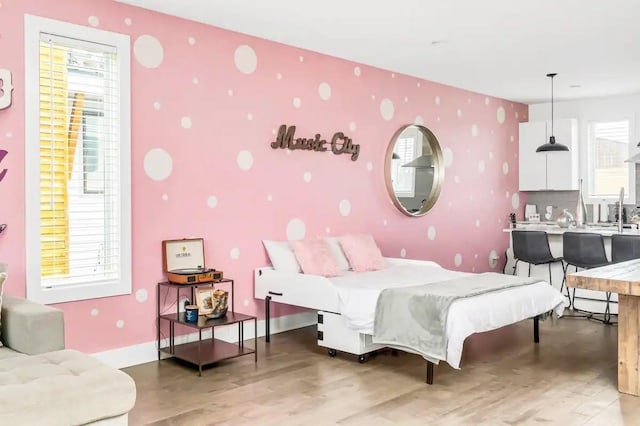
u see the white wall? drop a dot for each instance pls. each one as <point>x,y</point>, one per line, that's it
<point>600,109</point>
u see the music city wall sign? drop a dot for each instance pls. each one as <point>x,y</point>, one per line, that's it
<point>340,143</point>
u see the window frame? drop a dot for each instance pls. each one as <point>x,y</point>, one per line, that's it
<point>397,167</point>
<point>34,26</point>
<point>587,170</point>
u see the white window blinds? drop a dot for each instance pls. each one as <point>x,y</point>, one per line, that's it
<point>78,162</point>
<point>609,148</point>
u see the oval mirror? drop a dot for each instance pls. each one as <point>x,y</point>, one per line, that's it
<point>414,169</point>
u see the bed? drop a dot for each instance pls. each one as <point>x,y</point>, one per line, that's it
<point>346,305</point>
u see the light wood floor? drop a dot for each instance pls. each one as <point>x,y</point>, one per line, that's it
<point>568,379</point>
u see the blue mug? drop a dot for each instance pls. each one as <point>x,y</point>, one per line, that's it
<point>191,313</point>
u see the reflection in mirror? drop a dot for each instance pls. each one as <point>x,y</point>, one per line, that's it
<point>414,170</point>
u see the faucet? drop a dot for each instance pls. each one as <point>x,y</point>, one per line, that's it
<point>620,210</point>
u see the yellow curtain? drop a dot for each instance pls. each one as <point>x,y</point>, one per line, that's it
<point>54,161</point>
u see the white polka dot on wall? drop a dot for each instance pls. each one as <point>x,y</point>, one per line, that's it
<point>477,223</point>
<point>296,229</point>
<point>384,222</point>
<point>324,90</point>
<point>158,164</point>
<point>511,138</point>
<point>353,127</point>
<point>474,130</point>
<point>196,80</point>
<point>500,115</point>
<point>456,179</point>
<point>148,51</point>
<point>357,71</point>
<point>457,260</point>
<point>142,295</point>
<point>245,160</point>
<point>386,109</point>
<point>9,135</point>
<point>475,256</point>
<point>245,59</point>
<point>406,99</point>
<point>447,153</point>
<point>234,253</point>
<point>93,21</point>
<point>127,22</point>
<point>492,192</point>
<point>212,201</point>
<point>94,312</point>
<point>419,120</point>
<point>369,166</point>
<point>393,75</point>
<point>515,200</point>
<point>505,168</point>
<point>249,116</point>
<point>431,233</point>
<point>269,197</point>
<point>486,101</point>
<point>120,323</point>
<point>373,97</point>
<point>507,195</point>
<point>516,115</point>
<point>301,58</point>
<point>490,155</point>
<point>459,112</point>
<point>307,177</point>
<point>279,76</point>
<point>481,166</point>
<point>156,105</point>
<point>403,252</point>
<point>438,119</point>
<point>297,102</point>
<point>327,230</point>
<point>436,100</point>
<point>191,41</point>
<point>468,100</point>
<point>165,197</point>
<point>230,92</point>
<point>345,208</point>
<point>185,122</point>
<point>245,303</point>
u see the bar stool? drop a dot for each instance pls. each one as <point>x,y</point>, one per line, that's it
<point>532,247</point>
<point>624,247</point>
<point>584,250</point>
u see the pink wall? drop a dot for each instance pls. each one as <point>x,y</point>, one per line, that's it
<point>233,113</point>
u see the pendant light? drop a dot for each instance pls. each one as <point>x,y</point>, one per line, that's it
<point>552,145</point>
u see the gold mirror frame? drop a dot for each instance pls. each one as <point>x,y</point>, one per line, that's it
<point>438,170</point>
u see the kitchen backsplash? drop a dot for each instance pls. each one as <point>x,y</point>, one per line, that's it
<point>560,200</point>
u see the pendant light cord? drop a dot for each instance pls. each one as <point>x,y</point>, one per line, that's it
<point>553,75</point>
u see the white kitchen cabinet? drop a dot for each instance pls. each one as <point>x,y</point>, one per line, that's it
<point>548,171</point>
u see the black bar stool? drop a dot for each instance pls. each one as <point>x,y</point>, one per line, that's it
<point>584,250</point>
<point>532,247</point>
<point>624,247</point>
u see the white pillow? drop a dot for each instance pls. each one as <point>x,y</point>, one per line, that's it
<point>338,254</point>
<point>281,256</point>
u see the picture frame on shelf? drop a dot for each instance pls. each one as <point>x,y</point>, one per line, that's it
<point>204,300</point>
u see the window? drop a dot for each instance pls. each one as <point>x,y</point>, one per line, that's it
<point>78,162</point>
<point>608,148</point>
<point>403,178</point>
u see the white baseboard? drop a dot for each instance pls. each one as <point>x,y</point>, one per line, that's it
<point>147,352</point>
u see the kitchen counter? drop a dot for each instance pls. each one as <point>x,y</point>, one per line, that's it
<point>553,229</point>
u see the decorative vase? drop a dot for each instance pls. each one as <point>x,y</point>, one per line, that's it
<point>565,219</point>
<point>581,209</point>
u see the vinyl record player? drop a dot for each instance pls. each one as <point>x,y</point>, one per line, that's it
<point>183,262</point>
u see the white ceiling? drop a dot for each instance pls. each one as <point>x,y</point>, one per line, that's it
<point>502,48</point>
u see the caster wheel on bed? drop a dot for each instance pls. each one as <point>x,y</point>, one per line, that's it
<point>363,358</point>
<point>331,352</point>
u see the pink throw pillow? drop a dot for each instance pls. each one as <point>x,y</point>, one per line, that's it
<point>362,252</point>
<point>315,258</point>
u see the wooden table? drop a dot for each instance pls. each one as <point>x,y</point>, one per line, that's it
<point>622,278</point>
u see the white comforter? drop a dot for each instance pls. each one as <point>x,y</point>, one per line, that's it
<point>358,294</point>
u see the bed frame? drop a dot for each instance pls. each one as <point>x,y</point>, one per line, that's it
<point>333,332</point>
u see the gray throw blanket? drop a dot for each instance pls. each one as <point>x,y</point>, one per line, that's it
<point>415,317</point>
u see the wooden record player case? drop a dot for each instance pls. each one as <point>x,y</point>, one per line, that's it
<point>183,262</point>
